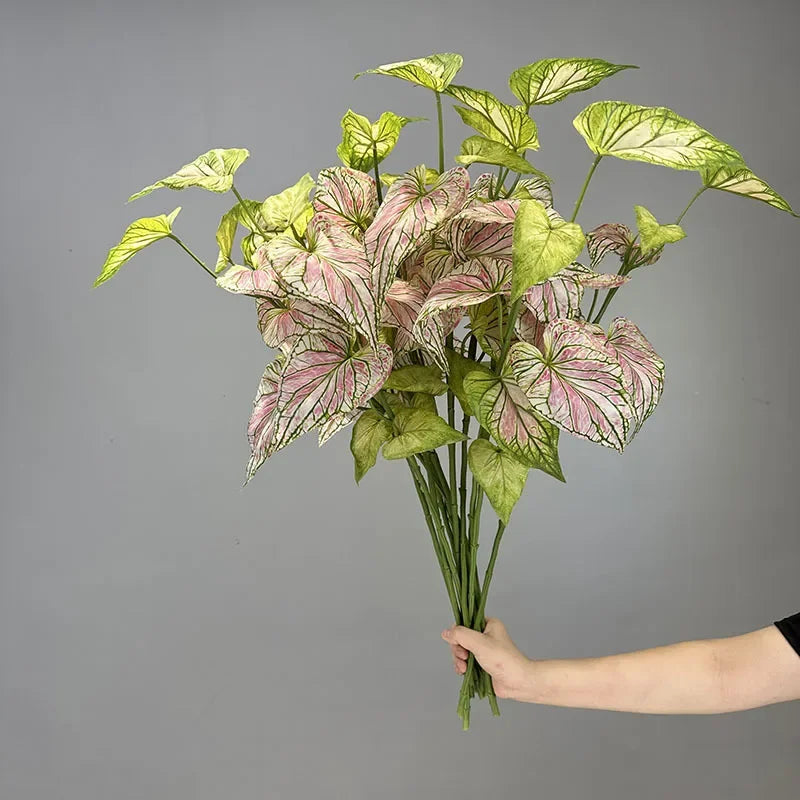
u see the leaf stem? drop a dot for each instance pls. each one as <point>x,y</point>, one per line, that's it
<point>246,210</point>
<point>441,130</point>
<point>512,321</point>
<point>579,201</point>
<point>176,239</point>
<point>375,167</point>
<point>690,203</point>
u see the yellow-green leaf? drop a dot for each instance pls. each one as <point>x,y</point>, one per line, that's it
<point>289,207</point>
<point>226,231</point>
<point>362,139</point>
<point>369,434</point>
<point>388,178</point>
<point>433,72</point>
<point>416,378</point>
<point>552,79</point>
<point>480,150</point>
<point>544,243</point>
<point>499,474</point>
<point>137,236</point>
<point>212,171</point>
<point>739,179</point>
<point>417,430</point>
<point>652,235</point>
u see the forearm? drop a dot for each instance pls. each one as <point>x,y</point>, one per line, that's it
<point>699,677</point>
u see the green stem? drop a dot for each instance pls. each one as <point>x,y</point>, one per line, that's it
<point>176,239</point>
<point>499,304</point>
<point>512,321</point>
<point>624,268</point>
<point>579,201</point>
<point>480,620</point>
<point>513,186</point>
<point>594,302</point>
<point>451,455</point>
<point>689,204</point>
<point>441,130</point>
<point>377,175</point>
<point>246,210</point>
<point>502,172</point>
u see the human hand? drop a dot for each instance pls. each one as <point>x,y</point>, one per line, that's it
<point>497,654</point>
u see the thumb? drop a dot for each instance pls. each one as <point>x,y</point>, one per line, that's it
<point>477,643</point>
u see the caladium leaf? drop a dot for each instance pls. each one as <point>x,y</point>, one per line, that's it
<point>403,303</point>
<point>330,268</point>
<point>323,378</point>
<point>410,209</point>
<point>458,368</point>
<point>416,430</point>
<point>484,229</point>
<point>503,409</point>
<point>388,178</point>
<point>495,119</point>
<point>559,296</point>
<point>484,323</point>
<point>472,283</point>
<point>738,179</point>
<point>536,188</point>
<point>261,426</point>
<point>575,382</point>
<point>262,282</point>
<point>226,231</point>
<point>137,236</point>
<point>336,422</point>
<point>417,378</point>
<point>346,197</point>
<point>363,140</point>
<point>370,433</point>
<point>212,171</point>
<point>529,328</point>
<point>642,368</point>
<point>596,280</point>
<point>481,150</point>
<point>655,135</point>
<point>433,72</point>
<point>288,208</point>
<point>552,79</point>
<point>653,235</point>
<point>543,244</point>
<point>499,474</point>
<point>285,319</point>
<point>613,237</point>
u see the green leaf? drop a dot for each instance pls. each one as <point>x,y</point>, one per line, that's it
<point>484,322</point>
<point>212,171</point>
<point>388,178</point>
<point>499,474</point>
<point>250,244</point>
<point>361,138</point>
<point>291,206</point>
<point>459,368</point>
<point>137,236</point>
<point>417,378</point>
<point>425,401</point>
<point>480,150</point>
<point>543,244</point>
<point>652,235</point>
<point>495,119</point>
<point>738,179</point>
<point>655,135</point>
<point>433,72</point>
<point>418,430</point>
<point>552,79</point>
<point>226,231</point>
<point>369,434</point>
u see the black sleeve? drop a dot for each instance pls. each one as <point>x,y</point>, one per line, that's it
<point>790,628</point>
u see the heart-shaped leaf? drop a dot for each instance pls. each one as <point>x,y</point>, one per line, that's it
<point>485,188</point>
<point>262,282</point>
<point>482,150</point>
<point>495,119</point>
<point>347,198</point>
<point>543,244</point>
<point>417,378</point>
<point>485,229</point>
<point>370,433</point>
<point>261,426</point>
<point>559,296</point>
<point>245,216</point>
<point>362,140</point>
<point>137,236</point>
<point>499,474</point>
<point>291,207</point>
<point>484,324</point>
<point>416,431</point>
<point>655,135</point>
<point>285,319</point>
<point>552,79</point>
<point>614,237</point>
<point>213,171</point>
<point>738,179</point>
<point>575,382</point>
<point>652,235</point>
<point>433,72</point>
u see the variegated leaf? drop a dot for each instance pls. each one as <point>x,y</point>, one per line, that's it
<point>484,323</point>
<point>363,140</point>
<point>652,235</point>
<point>597,280</point>
<point>499,474</point>
<point>485,229</point>
<point>503,409</point>
<point>403,303</point>
<point>495,119</point>
<point>655,135</point>
<point>614,237</point>
<point>642,368</point>
<point>212,171</point>
<point>370,433</point>
<point>330,268</point>
<point>739,179</point>
<point>324,378</point>
<point>346,197</point>
<point>137,236</point>
<point>529,328</point>
<point>543,244</point>
<point>288,208</point>
<point>482,150</point>
<point>417,430</point>
<point>245,215</point>
<point>283,320</point>
<point>388,178</point>
<point>433,72</point>
<point>485,186</point>
<point>552,79</point>
<point>410,209</point>
<point>575,382</point>
<point>261,426</point>
<point>262,282</point>
<point>559,296</point>
<point>336,422</point>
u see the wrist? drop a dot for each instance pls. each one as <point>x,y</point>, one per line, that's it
<point>531,690</point>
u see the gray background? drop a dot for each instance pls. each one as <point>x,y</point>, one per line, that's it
<point>167,634</point>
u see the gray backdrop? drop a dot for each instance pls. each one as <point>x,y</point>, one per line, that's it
<point>167,634</point>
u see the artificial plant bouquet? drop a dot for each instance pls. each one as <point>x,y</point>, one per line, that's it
<point>382,292</point>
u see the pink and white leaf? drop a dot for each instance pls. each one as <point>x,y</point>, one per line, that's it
<point>410,210</point>
<point>642,368</point>
<point>347,198</point>
<point>284,320</point>
<point>331,269</point>
<point>559,296</point>
<point>575,382</point>
<point>261,282</point>
<point>483,230</point>
<point>261,426</point>
<point>601,280</point>
<point>337,422</point>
